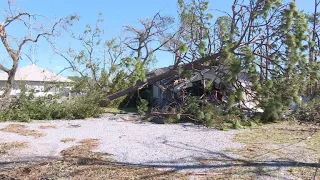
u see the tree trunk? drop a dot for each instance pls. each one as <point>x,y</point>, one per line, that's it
<point>155,79</point>
<point>10,81</point>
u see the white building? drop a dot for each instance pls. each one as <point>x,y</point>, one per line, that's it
<point>34,77</point>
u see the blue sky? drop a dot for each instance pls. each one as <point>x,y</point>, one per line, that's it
<point>116,14</point>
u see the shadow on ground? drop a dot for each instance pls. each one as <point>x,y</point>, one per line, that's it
<point>80,162</point>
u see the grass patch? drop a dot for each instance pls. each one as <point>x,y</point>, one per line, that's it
<point>6,147</point>
<point>66,140</point>
<point>22,130</point>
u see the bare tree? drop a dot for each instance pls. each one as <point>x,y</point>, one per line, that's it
<point>143,42</point>
<point>14,46</point>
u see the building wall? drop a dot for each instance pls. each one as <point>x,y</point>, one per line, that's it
<point>36,85</point>
<point>156,92</point>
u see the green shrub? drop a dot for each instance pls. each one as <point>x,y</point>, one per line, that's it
<point>28,107</point>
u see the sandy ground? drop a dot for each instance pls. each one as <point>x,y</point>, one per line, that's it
<point>129,142</point>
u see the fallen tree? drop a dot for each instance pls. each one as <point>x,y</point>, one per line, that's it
<point>174,71</point>
<point>268,40</point>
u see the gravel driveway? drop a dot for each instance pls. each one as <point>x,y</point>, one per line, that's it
<point>129,142</point>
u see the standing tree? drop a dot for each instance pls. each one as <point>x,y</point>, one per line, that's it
<point>314,48</point>
<point>14,46</point>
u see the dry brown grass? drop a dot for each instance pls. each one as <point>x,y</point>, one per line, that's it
<point>83,151</point>
<point>66,170</point>
<point>8,146</point>
<point>282,142</point>
<point>66,140</point>
<point>80,162</point>
<point>280,137</point>
<point>22,130</point>
<point>47,127</point>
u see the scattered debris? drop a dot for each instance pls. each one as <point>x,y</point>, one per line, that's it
<point>66,140</point>
<point>74,126</point>
<point>47,127</point>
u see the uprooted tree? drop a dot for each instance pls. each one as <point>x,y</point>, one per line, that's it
<point>269,40</point>
<point>14,45</point>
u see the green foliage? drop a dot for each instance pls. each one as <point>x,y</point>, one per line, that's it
<point>209,85</point>
<point>188,74</point>
<point>222,29</point>
<point>27,108</point>
<point>183,48</point>
<point>200,115</point>
<point>273,109</point>
<point>142,107</point>
<point>236,124</point>
<point>208,111</point>
<point>231,100</point>
<point>239,95</point>
<point>193,105</point>
<point>172,119</point>
<point>139,73</point>
<point>309,112</point>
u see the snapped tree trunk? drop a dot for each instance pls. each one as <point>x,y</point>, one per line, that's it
<point>155,79</point>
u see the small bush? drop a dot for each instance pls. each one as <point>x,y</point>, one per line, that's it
<point>27,108</point>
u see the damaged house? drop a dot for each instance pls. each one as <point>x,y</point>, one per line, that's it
<point>171,90</point>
